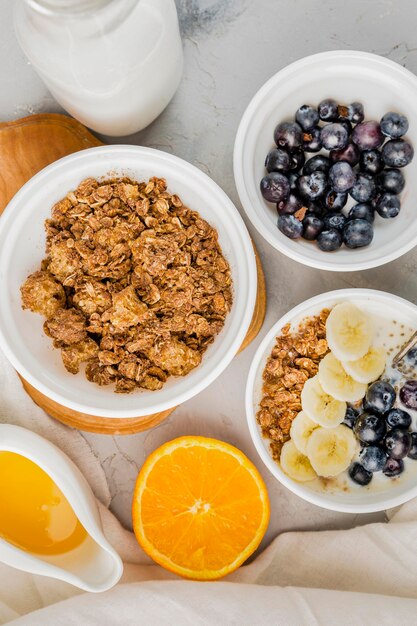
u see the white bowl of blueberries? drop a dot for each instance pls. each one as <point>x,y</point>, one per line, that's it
<point>323,161</point>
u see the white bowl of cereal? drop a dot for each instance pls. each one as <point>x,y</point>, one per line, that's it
<point>139,292</point>
<point>344,441</point>
<point>346,76</point>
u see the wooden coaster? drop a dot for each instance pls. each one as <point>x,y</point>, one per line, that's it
<point>26,146</point>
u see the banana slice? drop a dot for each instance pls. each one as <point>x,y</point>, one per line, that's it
<point>349,332</point>
<point>331,450</point>
<point>319,406</point>
<point>337,383</point>
<point>295,464</point>
<point>301,428</point>
<point>369,367</point>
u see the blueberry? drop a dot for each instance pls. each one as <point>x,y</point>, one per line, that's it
<point>397,153</point>
<point>358,233</point>
<point>408,394</point>
<point>411,357</point>
<point>364,189</point>
<point>377,197</point>
<point>292,179</point>
<point>312,186</point>
<point>290,226</point>
<point>335,201</point>
<point>341,177</point>
<point>289,206</point>
<point>388,205</point>
<point>312,227</point>
<point>317,163</point>
<point>350,154</point>
<point>351,416</point>
<point>359,474</point>
<point>398,443</point>
<point>413,449</point>
<point>334,136</point>
<point>380,397</point>
<point>394,125</point>
<point>361,212</point>
<point>370,428</point>
<point>297,159</point>
<point>329,240</point>
<point>278,160</point>
<point>312,140</point>
<point>393,467</point>
<point>346,125</point>
<point>317,208</point>
<point>371,162</point>
<point>275,187</point>
<point>367,135</point>
<point>355,112</point>
<point>397,418</point>
<point>373,458</point>
<point>307,117</point>
<point>334,220</point>
<point>288,135</point>
<point>391,180</point>
<point>328,110</point>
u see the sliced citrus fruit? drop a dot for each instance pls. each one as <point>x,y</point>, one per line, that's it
<point>200,507</point>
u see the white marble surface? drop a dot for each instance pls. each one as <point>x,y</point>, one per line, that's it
<point>231,48</point>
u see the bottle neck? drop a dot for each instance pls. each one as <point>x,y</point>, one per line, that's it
<point>66,7</point>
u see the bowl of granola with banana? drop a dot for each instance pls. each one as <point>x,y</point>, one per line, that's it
<point>331,400</point>
<point>127,281</point>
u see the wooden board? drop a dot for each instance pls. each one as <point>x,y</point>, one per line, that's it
<point>26,146</point>
<point>29,144</point>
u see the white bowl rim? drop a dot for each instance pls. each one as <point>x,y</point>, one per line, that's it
<point>239,150</point>
<point>386,502</point>
<point>248,256</point>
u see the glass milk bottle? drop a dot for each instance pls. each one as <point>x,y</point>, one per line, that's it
<point>113,64</point>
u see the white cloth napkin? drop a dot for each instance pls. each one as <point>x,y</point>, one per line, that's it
<point>367,575</point>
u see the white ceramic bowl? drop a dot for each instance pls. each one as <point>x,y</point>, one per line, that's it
<point>358,500</point>
<point>22,247</point>
<point>381,85</point>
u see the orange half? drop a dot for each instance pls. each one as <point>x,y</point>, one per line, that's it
<point>200,507</point>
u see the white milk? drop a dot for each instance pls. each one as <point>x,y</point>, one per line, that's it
<point>113,64</point>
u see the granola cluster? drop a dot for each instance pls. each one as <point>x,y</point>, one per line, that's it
<point>294,359</point>
<point>134,283</point>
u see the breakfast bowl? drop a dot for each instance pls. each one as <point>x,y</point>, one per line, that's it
<point>345,76</point>
<point>393,320</point>
<point>22,247</point>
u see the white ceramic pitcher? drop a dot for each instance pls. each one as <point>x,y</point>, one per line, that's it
<point>93,565</point>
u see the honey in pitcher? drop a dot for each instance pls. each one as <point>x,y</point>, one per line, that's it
<point>34,513</point>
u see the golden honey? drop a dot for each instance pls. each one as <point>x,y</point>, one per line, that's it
<point>34,513</point>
